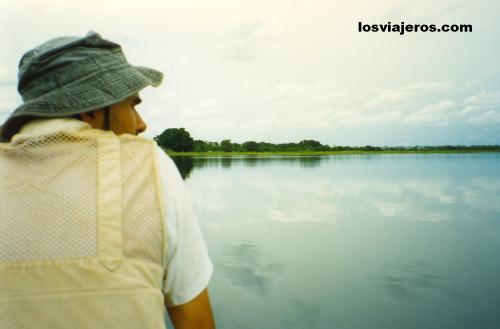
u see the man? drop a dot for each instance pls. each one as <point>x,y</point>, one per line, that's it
<point>96,227</point>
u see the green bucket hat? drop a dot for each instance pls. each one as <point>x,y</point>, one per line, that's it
<point>71,75</point>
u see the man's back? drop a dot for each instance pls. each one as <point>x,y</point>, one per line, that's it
<point>81,227</point>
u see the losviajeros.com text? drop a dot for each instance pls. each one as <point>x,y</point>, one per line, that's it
<point>401,28</point>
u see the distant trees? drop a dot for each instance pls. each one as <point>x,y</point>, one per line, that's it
<point>175,139</point>
<point>309,143</point>
<point>250,146</point>
<point>226,146</point>
<point>204,146</point>
<point>179,140</point>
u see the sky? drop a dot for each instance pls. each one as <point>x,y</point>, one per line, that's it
<point>283,71</point>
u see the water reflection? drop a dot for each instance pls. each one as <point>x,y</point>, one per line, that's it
<point>226,162</point>
<point>279,190</point>
<point>409,283</point>
<point>342,184</point>
<point>186,164</point>
<point>304,315</point>
<point>242,267</point>
<point>352,241</point>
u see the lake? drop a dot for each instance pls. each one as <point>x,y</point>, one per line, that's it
<point>351,241</point>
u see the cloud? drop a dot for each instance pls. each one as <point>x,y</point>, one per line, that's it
<point>9,99</point>
<point>242,41</point>
<point>425,11</point>
<point>325,104</point>
<point>402,95</point>
<point>482,109</point>
<point>487,118</point>
<point>483,100</point>
<point>357,119</point>
<point>7,74</point>
<point>206,109</point>
<point>439,114</point>
<point>207,116</point>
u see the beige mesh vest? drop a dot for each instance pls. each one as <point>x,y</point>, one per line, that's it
<point>82,237</point>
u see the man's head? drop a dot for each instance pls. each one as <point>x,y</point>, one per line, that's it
<point>80,77</point>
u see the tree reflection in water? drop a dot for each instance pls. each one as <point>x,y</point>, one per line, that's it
<point>186,164</point>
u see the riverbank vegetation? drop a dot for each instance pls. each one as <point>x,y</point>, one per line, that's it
<point>178,141</point>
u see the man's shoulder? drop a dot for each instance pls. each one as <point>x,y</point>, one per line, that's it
<point>164,160</point>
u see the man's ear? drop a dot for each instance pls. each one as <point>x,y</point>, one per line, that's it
<point>93,118</point>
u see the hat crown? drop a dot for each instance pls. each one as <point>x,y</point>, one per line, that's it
<point>60,61</point>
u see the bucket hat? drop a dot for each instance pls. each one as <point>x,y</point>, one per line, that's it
<point>71,75</point>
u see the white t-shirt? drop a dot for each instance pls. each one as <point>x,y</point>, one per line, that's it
<point>188,266</point>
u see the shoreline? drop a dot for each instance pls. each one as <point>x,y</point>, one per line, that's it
<point>318,153</point>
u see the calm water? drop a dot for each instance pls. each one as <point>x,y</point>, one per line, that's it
<point>379,241</point>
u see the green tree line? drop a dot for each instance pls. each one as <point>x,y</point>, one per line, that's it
<point>179,140</point>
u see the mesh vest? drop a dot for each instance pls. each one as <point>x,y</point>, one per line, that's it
<point>82,237</point>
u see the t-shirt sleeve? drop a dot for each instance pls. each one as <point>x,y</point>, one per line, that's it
<point>188,266</point>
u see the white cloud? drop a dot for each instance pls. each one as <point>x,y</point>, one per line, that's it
<point>206,109</point>
<point>486,118</point>
<point>425,11</point>
<point>482,108</point>
<point>325,104</point>
<point>480,103</point>
<point>357,118</point>
<point>7,74</point>
<point>207,117</point>
<point>439,114</point>
<point>9,99</point>
<point>485,99</point>
<point>406,93</point>
<point>241,41</point>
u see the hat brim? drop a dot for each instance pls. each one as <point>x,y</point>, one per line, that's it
<point>86,94</point>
